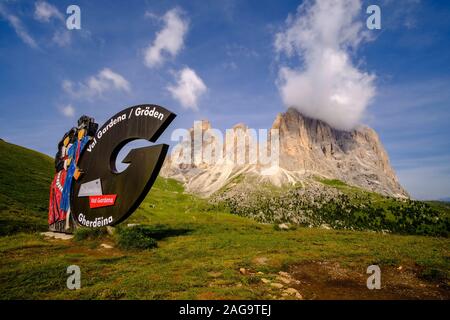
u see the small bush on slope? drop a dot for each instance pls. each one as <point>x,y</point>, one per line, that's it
<point>137,237</point>
<point>90,234</point>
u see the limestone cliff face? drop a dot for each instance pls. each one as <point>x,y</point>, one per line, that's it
<point>356,157</point>
<point>309,148</point>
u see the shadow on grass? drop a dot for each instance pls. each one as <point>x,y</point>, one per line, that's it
<point>161,231</point>
<point>145,236</point>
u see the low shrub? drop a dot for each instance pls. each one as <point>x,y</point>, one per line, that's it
<point>89,233</point>
<point>136,237</point>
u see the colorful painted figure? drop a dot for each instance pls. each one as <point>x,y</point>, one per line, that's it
<point>70,149</point>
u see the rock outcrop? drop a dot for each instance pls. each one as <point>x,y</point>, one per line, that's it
<point>309,149</point>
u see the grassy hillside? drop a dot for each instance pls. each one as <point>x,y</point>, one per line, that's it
<point>332,203</point>
<point>205,253</point>
<point>25,177</point>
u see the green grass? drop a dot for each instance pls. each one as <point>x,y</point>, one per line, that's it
<point>198,255</point>
<point>25,178</point>
<point>333,182</point>
<point>82,233</point>
<point>137,237</point>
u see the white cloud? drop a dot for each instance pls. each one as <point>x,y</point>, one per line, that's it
<point>169,40</point>
<point>188,89</point>
<point>44,12</point>
<point>68,110</point>
<point>95,86</point>
<point>18,26</point>
<point>62,38</point>
<point>328,86</point>
<point>237,50</point>
<point>151,15</point>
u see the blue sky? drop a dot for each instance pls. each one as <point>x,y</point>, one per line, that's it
<point>222,65</point>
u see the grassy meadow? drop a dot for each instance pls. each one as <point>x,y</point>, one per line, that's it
<point>201,252</point>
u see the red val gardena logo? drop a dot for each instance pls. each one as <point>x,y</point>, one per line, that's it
<point>102,201</point>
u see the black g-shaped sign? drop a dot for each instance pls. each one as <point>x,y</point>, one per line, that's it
<point>102,196</point>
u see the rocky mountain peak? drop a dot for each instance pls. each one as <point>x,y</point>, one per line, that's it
<point>203,125</point>
<point>241,126</point>
<point>309,148</point>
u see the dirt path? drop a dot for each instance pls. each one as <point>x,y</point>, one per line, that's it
<point>329,280</point>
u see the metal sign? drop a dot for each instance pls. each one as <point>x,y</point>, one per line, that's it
<point>102,196</point>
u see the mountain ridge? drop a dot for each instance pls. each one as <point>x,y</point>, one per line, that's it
<point>309,148</point>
